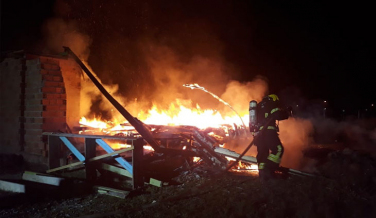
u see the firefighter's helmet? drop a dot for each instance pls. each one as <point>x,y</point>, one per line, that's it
<point>272,97</point>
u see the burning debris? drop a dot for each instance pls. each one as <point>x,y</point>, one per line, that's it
<point>160,152</point>
<point>187,142</point>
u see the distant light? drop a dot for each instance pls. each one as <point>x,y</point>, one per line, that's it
<point>324,101</point>
<point>297,105</point>
<point>371,105</point>
<point>324,108</point>
<point>343,110</point>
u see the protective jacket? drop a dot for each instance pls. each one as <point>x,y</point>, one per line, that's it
<point>268,108</point>
<point>269,146</point>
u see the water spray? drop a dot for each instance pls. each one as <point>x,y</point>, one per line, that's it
<point>196,86</point>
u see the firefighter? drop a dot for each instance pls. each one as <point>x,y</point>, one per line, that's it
<point>269,146</point>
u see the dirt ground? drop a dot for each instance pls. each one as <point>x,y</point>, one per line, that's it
<point>344,189</point>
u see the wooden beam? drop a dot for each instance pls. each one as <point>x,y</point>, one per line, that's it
<point>235,155</point>
<point>155,182</point>
<point>89,136</point>
<point>45,179</point>
<point>12,187</point>
<point>119,170</point>
<point>65,167</point>
<point>54,148</point>
<point>111,154</point>
<point>111,191</point>
<point>138,154</point>
<point>90,152</point>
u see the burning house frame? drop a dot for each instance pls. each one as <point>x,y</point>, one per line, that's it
<point>40,112</point>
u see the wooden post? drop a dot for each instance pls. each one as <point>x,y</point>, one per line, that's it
<point>138,153</point>
<point>90,152</point>
<point>54,148</point>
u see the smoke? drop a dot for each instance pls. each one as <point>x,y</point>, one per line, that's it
<point>354,134</point>
<point>146,56</point>
<point>169,72</point>
<point>239,94</point>
<point>296,134</point>
<point>93,103</point>
<point>59,33</point>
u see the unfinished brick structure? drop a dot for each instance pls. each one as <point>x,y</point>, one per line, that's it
<point>39,93</point>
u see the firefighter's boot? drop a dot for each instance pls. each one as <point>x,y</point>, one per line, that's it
<point>266,175</point>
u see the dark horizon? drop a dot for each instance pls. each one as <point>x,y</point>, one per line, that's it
<point>315,51</point>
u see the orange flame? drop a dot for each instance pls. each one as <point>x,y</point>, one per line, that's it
<point>93,123</point>
<point>176,114</point>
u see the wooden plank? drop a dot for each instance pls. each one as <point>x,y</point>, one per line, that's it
<point>54,148</point>
<point>155,182</point>
<point>138,154</point>
<point>299,173</point>
<point>111,154</point>
<point>45,179</point>
<point>73,149</point>
<point>92,159</point>
<point>89,136</point>
<point>118,159</point>
<point>118,170</point>
<point>90,152</point>
<point>111,191</point>
<point>235,155</point>
<point>64,167</point>
<point>11,187</point>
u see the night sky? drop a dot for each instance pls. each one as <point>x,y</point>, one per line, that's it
<point>323,50</point>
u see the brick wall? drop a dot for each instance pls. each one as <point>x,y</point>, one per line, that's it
<point>72,74</point>
<point>45,102</point>
<point>34,100</point>
<point>10,104</point>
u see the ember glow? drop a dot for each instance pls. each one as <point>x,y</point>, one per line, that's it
<point>243,166</point>
<point>121,145</point>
